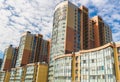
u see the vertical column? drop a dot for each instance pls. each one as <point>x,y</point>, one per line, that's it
<point>73,67</point>
<point>116,64</point>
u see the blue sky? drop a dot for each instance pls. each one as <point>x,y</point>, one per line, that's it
<point>18,16</point>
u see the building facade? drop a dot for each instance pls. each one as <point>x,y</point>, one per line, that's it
<point>9,58</point>
<point>96,65</point>
<point>14,58</point>
<point>25,49</point>
<point>45,51</point>
<point>4,76</point>
<point>36,48</point>
<point>72,31</point>
<point>99,64</point>
<point>101,34</point>
<point>65,33</point>
<point>34,72</point>
<point>84,31</point>
<point>33,48</point>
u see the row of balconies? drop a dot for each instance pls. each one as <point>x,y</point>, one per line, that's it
<point>30,72</point>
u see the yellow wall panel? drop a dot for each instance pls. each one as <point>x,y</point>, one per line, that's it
<point>42,73</point>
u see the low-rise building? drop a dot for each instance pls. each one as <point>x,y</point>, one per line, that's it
<point>99,64</point>
<point>4,76</point>
<point>35,72</point>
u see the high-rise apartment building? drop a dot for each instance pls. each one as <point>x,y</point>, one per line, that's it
<point>84,32</point>
<point>91,35</point>
<point>33,48</point>
<point>25,49</point>
<point>14,57</point>
<point>40,50</point>
<point>37,48</point>
<point>65,34</point>
<point>94,31</point>
<point>44,54</point>
<point>101,32</point>
<point>9,58</point>
<point>73,31</point>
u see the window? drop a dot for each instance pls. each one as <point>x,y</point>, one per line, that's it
<point>103,76</point>
<point>108,57</point>
<point>63,26</point>
<point>84,61</point>
<point>77,58</point>
<point>110,76</point>
<point>119,58</point>
<point>118,50</point>
<point>76,64</point>
<point>92,77</point>
<point>84,77</point>
<point>101,68</point>
<point>62,38</point>
<point>93,60</point>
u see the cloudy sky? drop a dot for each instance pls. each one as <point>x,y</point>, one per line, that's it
<point>18,16</point>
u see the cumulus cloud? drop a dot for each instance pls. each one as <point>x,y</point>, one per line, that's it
<point>17,16</point>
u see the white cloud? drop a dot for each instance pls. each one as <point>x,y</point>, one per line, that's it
<point>83,2</point>
<point>116,16</point>
<point>99,3</point>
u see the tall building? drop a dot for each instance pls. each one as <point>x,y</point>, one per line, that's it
<point>91,35</point>
<point>37,48</point>
<point>32,48</point>
<point>9,58</point>
<point>25,47</point>
<point>65,34</point>
<point>84,31</point>
<point>44,54</point>
<point>14,58</point>
<point>101,32</point>
<point>40,50</point>
<point>73,31</point>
